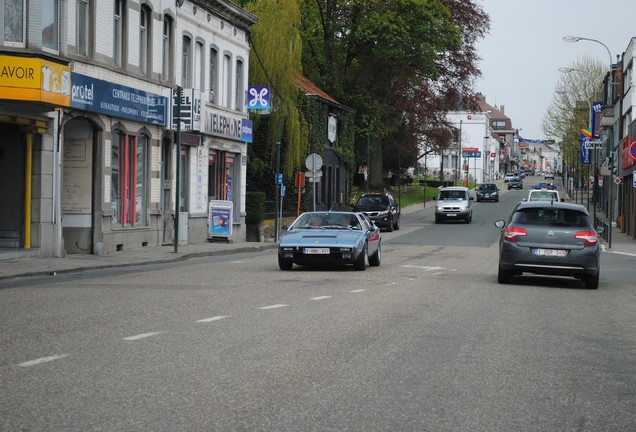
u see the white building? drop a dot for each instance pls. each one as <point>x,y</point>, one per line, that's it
<point>86,118</point>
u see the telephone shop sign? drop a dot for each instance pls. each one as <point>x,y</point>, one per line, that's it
<point>91,94</point>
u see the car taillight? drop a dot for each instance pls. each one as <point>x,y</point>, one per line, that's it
<point>590,237</point>
<point>512,232</point>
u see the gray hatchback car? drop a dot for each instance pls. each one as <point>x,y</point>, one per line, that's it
<point>549,238</point>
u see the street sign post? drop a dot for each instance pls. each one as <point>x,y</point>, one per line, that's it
<point>314,165</point>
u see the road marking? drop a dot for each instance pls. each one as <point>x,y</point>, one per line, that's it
<point>427,268</point>
<point>42,360</point>
<point>320,298</point>
<point>358,290</point>
<point>620,253</point>
<point>276,306</point>
<point>141,336</point>
<point>215,318</point>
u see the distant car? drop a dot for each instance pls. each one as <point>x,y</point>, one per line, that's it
<point>330,238</point>
<point>549,238</point>
<point>515,183</point>
<point>487,192</point>
<point>453,203</point>
<point>544,185</point>
<point>381,208</point>
<point>543,195</point>
<point>548,175</point>
<point>509,176</point>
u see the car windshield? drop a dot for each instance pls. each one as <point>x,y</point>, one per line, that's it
<point>327,220</point>
<point>369,201</point>
<point>487,186</point>
<point>550,216</point>
<point>446,195</point>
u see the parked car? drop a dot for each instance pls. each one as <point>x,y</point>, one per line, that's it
<point>549,238</point>
<point>515,183</point>
<point>487,192</point>
<point>381,208</point>
<point>330,238</point>
<point>453,203</point>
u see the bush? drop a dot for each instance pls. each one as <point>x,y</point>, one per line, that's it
<point>254,207</point>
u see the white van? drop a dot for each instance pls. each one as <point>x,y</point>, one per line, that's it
<point>543,195</point>
<point>453,203</point>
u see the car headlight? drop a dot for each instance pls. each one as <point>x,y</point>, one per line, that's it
<point>440,208</point>
<point>383,213</point>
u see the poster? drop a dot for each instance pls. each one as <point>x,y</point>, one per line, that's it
<point>220,218</point>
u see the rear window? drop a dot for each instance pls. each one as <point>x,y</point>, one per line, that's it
<point>373,200</point>
<point>543,196</point>
<point>548,216</point>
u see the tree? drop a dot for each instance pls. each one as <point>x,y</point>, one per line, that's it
<point>401,64</point>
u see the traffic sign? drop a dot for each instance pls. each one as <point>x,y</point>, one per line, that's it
<point>618,180</point>
<point>632,149</point>
<point>279,178</point>
<point>312,174</point>
<point>313,162</point>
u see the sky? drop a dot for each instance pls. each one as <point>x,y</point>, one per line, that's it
<point>524,50</point>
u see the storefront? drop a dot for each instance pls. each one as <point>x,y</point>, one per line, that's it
<point>114,168</point>
<point>31,91</point>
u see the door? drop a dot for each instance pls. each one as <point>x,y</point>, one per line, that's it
<point>11,186</point>
<point>166,185</point>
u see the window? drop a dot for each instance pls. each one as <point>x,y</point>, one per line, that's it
<point>186,62</point>
<point>166,51</point>
<point>199,66</point>
<point>499,124</point>
<point>118,43</point>
<point>128,179</point>
<point>51,25</point>
<point>227,69</point>
<point>145,17</point>
<point>13,22</point>
<point>238,89</point>
<point>82,27</point>
<point>214,75</point>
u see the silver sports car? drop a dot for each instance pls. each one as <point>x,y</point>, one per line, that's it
<point>330,238</point>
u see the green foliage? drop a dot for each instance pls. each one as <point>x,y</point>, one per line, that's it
<point>254,207</point>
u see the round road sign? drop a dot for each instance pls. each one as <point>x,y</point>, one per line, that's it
<point>313,162</point>
<point>632,149</point>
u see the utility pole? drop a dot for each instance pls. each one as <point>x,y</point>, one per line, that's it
<point>177,194</point>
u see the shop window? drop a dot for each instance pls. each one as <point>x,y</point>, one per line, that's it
<point>14,22</point>
<point>51,25</point>
<point>213,173</point>
<point>128,179</point>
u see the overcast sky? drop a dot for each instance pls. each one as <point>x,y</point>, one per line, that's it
<point>522,54</point>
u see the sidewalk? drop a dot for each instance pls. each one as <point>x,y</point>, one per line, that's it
<point>16,264</point>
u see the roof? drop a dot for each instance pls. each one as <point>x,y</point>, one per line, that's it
<point>312,89</point>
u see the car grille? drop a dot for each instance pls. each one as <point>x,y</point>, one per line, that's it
<point>451,209</point>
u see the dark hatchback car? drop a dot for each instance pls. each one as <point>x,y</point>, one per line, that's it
<point>549,238</point>
<point>381,208</point>
<point>487,192</point>
<point>515,183</point>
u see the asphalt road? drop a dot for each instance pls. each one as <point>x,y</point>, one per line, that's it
<point>428,341</point>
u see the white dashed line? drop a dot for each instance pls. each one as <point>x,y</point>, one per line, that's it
<point>320,298</point>
<point>358,291</point>
<point>42,360</point>
<point>620,253</point>
<point>141,336</point>
<point>276,306</point>
<point>427,268</point>
<point>215,318</point>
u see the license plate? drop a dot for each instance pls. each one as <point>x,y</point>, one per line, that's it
<point>316,251</point>
<point>451,214</point>
<point>550,252</point>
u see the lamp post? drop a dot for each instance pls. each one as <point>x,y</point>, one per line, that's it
<point>573,39</point>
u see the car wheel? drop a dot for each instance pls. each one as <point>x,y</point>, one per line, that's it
<point>478,200</point>
<point>497,200</point>
<point>504,276</point>
<point>375,259</point>
<point>469,219</point>
<point>438,220</point>
<point>363,260</point>
<point>389,228</point>
<point>285,264</point>
<point>396,225</point>
<point>591,282</point>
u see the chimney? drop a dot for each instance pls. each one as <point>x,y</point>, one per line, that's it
<point>502,109</point>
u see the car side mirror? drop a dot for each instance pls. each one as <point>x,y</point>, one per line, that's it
<point>600,229</point>
<point>352,205</point>
<point>500,224</point>
<point>562,199</point>
<point>471,198</point>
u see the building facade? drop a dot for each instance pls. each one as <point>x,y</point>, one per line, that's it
<point>86,99</point>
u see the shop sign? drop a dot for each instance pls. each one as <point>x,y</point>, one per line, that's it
<point>220,218</point>
<point>190,114</point>
<point>627,145</point>
<point>33,79</point>
<point>91,94</point>
<point>226,125</point>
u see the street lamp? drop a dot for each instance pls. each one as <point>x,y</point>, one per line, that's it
<point>573,39</point>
